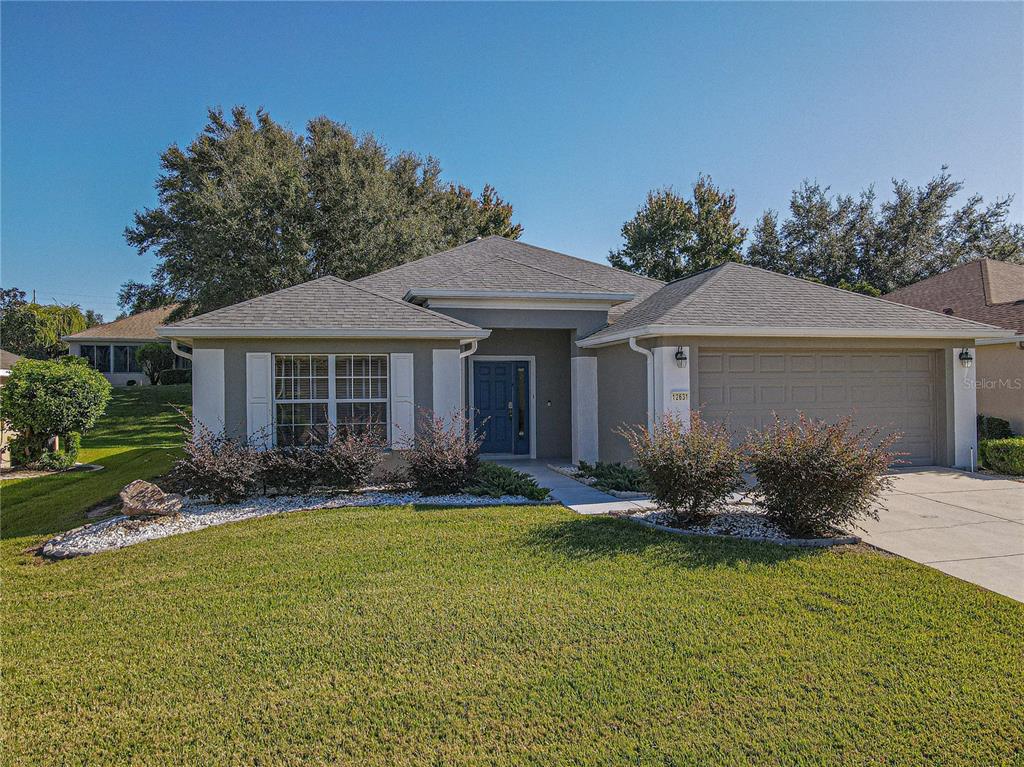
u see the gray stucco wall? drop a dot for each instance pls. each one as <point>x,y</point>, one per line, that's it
<point>621,397</point>
<point>552,350</point>
<point>583,322</point>
<point>236,349</point>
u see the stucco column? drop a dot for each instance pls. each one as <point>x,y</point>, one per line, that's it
<point>583,375</point>
<point>962,409</point>
<point>671,383</point>
<point>446,380</point>
<point>208,388</point>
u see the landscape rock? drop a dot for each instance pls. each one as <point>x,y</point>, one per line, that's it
<point>144,499</point>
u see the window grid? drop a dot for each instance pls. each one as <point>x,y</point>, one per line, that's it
<point>316,394</point>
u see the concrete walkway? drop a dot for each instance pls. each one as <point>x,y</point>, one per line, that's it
<point>579,497</point>
<point>967,525</point>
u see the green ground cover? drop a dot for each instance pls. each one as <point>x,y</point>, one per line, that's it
<point>509,636</point>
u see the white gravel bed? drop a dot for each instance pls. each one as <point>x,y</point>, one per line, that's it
<point>740,521</point>
<point>120,531</point>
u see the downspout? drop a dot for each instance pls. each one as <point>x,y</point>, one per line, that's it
<point>462,373</point>
<point>177,350</point>
<point>471,350</point>
<point>650,381</point>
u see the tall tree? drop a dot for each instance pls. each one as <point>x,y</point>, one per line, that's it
<point>250,207</point>
<point>671,236</point>
<point>855,244</point>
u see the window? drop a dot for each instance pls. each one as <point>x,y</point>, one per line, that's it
<point>98,356</point>
<point>315,394</point>
<point>361,386</point>
<point>124,360</point>
<point>301,395</point>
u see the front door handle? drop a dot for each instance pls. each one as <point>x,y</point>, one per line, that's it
<point>510,410</point>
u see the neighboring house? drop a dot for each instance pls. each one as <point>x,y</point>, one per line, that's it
<point>110,348</point>
<point>553,354</point>
<point>7,360</point>
<point>986,291</point>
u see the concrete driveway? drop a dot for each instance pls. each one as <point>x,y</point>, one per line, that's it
<point>968,525</point>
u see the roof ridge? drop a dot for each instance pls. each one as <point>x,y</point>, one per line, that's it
<point>858,295</point>
<point>574,258</point>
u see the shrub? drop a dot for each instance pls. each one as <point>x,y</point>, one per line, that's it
<point>613,476</point>
<point>290,470</point>
<point>63,457</point>
<point>349,460</point>
<point>494,480</point>
<point>173,376</point>
<point>44,398</point>
<point>1005,456</point>
<point>814,477</point>
<point>990,427</point>
<point>153,359</point>
<point>690,471</point>
<point>444,457</point>
<point>222,469</point>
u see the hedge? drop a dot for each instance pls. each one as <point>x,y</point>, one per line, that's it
<point>1005,456</point>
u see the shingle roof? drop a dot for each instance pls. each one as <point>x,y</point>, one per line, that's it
<point>740,296</point>
<point>137,327</point>
<point>7,359</point>
<point>497,263</point>
<point>982,290</point>
<point>325,306</point>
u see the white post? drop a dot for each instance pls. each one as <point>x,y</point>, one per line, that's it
<point>964,395</point>
<point>208,388</point>
<point>671,383</point>
<point>583,385</point>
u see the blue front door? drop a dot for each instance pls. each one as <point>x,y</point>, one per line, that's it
<point>501,391</point>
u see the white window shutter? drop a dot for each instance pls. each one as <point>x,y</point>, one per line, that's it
<point>403,408</point>
<point>259,401</point>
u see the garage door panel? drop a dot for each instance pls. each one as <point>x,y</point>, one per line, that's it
<point>895,391</point>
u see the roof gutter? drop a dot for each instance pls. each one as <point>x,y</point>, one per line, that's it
<point>186,333</point>
<point>979,331</point>
<point>650,381</point>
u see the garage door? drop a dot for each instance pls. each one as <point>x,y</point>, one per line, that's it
<point>898,391</point>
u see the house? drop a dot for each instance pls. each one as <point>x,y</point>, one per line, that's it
<point>110,348</point>
<point>991,292</point>
<point>552,354</point>
<point>7,360</point>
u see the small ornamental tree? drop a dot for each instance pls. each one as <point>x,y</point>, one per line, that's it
<point>42,399</point>
<point>154,358</point>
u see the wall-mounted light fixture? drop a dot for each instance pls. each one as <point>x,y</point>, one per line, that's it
<point>965,358</point>
<point>680,357</point>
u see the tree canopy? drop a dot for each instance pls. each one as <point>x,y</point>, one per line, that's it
<point>35,330</point>
<point>858,244</point>
<point>671,236</point>
<point>249,207</point>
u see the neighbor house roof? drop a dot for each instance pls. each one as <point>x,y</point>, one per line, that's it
<point>7,359</point>
<point>499,264</point>
<point>984,290</point>
<point>734,299</point>
<point>137,327</point>
<point>325,307</point>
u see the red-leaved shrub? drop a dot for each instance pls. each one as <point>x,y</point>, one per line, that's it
<point>217,467</point>
<point>690,468</point>
<point>815,478</point>
<point>445,454</point>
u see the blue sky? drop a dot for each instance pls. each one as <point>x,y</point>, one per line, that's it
<point>573,111</point>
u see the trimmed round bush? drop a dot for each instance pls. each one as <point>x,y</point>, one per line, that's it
<point>42,399</point>
<point>1005,456</point>
<point>815,478</point>
<point>173,376</point>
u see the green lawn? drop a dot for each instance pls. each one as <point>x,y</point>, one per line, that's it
<point>500,636</point>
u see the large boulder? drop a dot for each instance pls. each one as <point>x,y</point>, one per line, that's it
<point>143,499</point>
